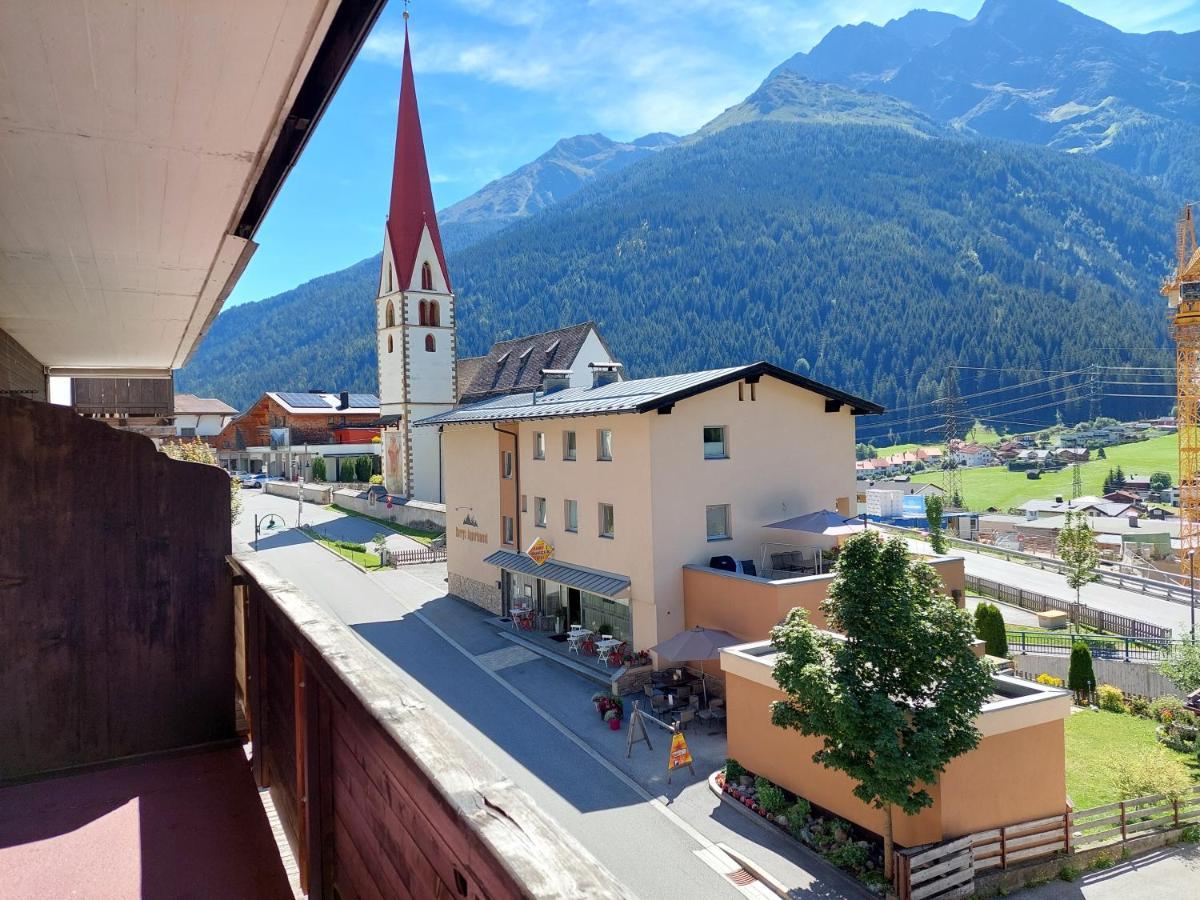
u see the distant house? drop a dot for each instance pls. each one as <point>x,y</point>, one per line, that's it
<point>1072,454</point>
<point>973,455</point>
<point>1090,506</point>
<point>905,486</point>
<point>1138,485</point>
<point>200,416</point>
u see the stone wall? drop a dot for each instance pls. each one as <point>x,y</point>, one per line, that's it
<point>413,513</point>
<point>486,596</point>
<point>313,493</point>
<point>1132,677</point>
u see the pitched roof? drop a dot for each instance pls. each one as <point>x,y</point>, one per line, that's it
<point>300,403</point>
<point>191,405</point>
<point>637,396</point>
<point>465,368</point>
<point>516,365</point>
<point>411,208</point>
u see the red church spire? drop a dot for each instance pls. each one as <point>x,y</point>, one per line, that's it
<point>411,208</point>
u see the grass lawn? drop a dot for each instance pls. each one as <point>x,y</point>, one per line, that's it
<point>1094,740</point>
<point>996,486</point>
<point>365,559</point>
<point>422,537</point>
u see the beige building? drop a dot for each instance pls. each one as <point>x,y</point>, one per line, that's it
<point>629,481</point>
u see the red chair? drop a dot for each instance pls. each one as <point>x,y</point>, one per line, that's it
<point>618,654</point>
<point>589,645</point>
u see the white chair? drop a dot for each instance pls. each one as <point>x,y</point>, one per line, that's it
<point>573,642</point>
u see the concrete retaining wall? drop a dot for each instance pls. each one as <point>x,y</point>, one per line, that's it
<point>313,493</point>
<point>413,513</point>
<point>1131,677</point>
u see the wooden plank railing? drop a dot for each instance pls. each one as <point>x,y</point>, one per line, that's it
<point>1127,819</point>
<point>940,872</point>
<point>413,557</point>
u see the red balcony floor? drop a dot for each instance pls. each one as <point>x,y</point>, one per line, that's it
<point>188,826</point>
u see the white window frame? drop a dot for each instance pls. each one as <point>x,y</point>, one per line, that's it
<point>724,454</point>
<point>612,515</point>
<point>727,533</point>
<point>570,446</point>
<point>539,445</point>
<point>571,516</point>
<point>604,445</point>
<point>507,531</point>
<point>539,512</point>
<point>506,465</point>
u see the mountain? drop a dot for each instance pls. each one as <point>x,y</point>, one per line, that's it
<point>868,255</point>
<point>555,175</point>
<point>1036,71</point>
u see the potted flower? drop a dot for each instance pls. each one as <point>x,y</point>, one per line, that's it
<point>613,718</point>
<point>598,698</point>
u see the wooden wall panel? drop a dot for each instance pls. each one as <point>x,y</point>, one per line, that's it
<point>115,598</point>
<point>21,375</point>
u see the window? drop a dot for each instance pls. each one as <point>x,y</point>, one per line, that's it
<point>187,432</point>
<point>389,343</point>
<point>435,313</point>
<point>539,445</point>
<point>426,277</point>
<point>571,515</point>
<point>714,442</point>
<point>506,526</point>
<point>423,313</point>
<point>390,315</point>
<point>716,522</point>
<point>430,343</point>
<point>606,520</point>
<point>604,444</point>
<point>388,269</point>
<point>539,512</point>
<point>568,445</point>
<point>506,464</point>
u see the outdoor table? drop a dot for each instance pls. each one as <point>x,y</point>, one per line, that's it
<point>606,647</point>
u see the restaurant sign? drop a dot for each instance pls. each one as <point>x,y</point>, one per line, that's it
<point>540,551</point>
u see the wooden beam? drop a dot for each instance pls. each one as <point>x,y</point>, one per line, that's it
<point>832,406</point>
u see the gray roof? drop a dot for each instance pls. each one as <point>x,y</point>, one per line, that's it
<point>191,405</point>
<point>516,365</point>
<point>637,396</point>
<point>606,584</point>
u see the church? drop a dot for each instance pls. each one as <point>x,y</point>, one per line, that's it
<point>420,374</point>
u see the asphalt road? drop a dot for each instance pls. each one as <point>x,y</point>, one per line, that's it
<point>532,718</point>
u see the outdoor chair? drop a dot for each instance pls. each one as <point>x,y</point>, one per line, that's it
<point>683,692</point>
<point>659,706</point>
<point>694,702</point>
<point>685,717</point>
<point>748,567</point>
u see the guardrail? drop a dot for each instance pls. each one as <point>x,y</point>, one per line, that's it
<point>1170,590</point>
<point>1079,613</point>
<point>1101,646</point>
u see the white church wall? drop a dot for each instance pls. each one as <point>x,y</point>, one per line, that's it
<point>427,457</point>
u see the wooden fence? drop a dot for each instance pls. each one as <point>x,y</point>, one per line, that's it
<point>948,870</point>
<point>1079,613</point>
<point>413,557</point>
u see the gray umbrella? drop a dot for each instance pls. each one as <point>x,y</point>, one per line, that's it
<point>696,643</point>
<point>823,521</point>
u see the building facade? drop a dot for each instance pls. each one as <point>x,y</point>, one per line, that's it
<point>629,482</point>
<point>201,416</point>
<point>414,315</point>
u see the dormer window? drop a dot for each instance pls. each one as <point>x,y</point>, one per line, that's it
<point>426,277</point>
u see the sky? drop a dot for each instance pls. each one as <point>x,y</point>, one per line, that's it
<point>499,82</point>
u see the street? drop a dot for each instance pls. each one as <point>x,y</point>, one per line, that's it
<point>534,720</point>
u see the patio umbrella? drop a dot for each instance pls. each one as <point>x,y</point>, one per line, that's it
<point>823,521</point>
<point>699,644</point>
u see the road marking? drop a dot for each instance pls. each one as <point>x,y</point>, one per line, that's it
<point>656,803</point>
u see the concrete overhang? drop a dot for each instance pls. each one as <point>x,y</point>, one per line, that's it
<point>141,145</point>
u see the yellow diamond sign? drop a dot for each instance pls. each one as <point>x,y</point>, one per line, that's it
<point>540,551</point>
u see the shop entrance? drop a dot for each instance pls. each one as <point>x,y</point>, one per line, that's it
<point>574,612</point>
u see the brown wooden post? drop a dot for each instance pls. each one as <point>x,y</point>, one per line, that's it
<point>1175,811</point>
<point>320,790</point>
<point>255,682</point>
<point>1067,831</point>
<point>300,720</point>
<point>1124,836</point>
<point>1003,847</point>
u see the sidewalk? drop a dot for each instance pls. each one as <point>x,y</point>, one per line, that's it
<point>1165,873</point>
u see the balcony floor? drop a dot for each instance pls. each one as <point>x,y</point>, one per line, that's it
<point>186,826</point>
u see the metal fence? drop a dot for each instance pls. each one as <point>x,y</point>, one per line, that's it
<point>1101,646</point>
<point>1079,613</point>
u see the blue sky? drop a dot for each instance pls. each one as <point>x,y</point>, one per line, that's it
<point>500,82</point>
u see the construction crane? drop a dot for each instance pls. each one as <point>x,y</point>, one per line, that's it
<point>1182,291</point>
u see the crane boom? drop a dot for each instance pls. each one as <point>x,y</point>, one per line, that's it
<point>1182,290</point>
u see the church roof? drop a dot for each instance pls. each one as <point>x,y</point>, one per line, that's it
<point>516,365</point>
<point>411,208</point>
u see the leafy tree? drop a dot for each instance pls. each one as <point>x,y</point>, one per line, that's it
<point>1183,667</point>
<point>318,469</point>
<point>1160,481</point>
<point>1077,549</point>
<point>1119,478</point>
<point>895,699</point>
<point>200,452</point>
<point>1080,677</point>
<point>933,516</point>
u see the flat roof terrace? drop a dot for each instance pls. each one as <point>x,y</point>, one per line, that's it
<point>190,824</point>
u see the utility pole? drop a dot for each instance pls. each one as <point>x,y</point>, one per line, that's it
<point>951,481</point>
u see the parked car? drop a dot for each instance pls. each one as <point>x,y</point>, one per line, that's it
<point>253,479</point>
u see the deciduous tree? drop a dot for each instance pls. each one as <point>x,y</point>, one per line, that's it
<point>894,696</point>
<point>1077,549</point>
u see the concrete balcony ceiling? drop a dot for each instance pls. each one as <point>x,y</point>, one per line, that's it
<point>140,146</point>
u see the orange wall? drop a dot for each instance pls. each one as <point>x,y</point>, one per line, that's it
<point>1015,776</point>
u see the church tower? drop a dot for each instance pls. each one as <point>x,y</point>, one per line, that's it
<point>414,315</point>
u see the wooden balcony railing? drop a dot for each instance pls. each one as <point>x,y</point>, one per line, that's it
<point>377,795</point>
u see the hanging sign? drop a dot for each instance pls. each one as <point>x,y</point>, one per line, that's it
<point>540,551</point>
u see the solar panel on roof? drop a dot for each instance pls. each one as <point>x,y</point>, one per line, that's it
<point>363,401</point>
<point>298,400</point>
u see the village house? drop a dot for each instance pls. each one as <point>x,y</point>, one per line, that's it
<point>973,455</point>
<point>284,431</point>
<point>200,416</point>
<point>628,482</point>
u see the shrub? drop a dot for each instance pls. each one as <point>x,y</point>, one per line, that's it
<point>1103,861</point>
<point>734,770</point>
<point>1191,834</point>
<point>1069,873</point>
<point>1049,680</point>
<point>989,628</point>
<point>770,797</point>
<point>376,479</point>
<point>1139,706</point>
<point>1166,709</point>
<point>318,468</point>
<point>797,814</point>
<point>851,856</point>
<point>1153,771</point>
<point>1110,698</point>
<point>365,468</point>
<point>1080,676</point>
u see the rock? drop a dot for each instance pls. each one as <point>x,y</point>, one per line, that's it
<point>745,781</point>
<point>781,821</point>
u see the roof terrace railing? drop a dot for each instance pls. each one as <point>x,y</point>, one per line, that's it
<point>377,795</point>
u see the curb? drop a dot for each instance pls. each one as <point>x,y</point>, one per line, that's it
<point>579,669</point>
<point>344,559</point>
<point>813,861</point>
